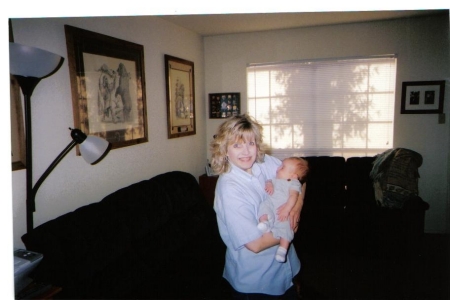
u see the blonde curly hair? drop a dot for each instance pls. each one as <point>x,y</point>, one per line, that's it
<point>236,129</point>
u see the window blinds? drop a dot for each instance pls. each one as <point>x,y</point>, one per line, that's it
<point>341,107</point>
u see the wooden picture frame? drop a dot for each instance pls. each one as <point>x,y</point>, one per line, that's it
<point>180,93</point>
<point>224,105</point>
<point>108,87</point>
<point>423,97</point>
<point>18,151</point>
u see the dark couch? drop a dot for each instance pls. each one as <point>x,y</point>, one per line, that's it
<point>158,239</point>
<point>349,246</point>
<point>155,239</point>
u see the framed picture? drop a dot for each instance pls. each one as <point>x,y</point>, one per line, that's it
<point>180,96</point>
<point>423,97</point>
<point>108,86</point>
<point>224,105</point>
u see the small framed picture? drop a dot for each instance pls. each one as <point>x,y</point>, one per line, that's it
<point>423,97</point>
<point>224,105</point>
<point>180,96</point>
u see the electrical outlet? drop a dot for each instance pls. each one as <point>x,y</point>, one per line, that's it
<point>441,119</point>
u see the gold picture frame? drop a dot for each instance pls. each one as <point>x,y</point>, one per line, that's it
<point>108,87</point>
<point>180,96</point>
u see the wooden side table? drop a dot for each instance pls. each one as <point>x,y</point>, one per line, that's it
<point>208,187</point>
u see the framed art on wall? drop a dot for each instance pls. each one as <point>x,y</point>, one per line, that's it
<point>108,86</point>
<point>180,96</point>
<point>224,105</point>
<point>423,97</point>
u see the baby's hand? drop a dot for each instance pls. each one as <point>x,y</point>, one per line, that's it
<point>269,187</point>
<point>283,212</point>
<point>282,217</point>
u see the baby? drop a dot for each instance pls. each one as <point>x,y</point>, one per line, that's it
<point>284,189</point>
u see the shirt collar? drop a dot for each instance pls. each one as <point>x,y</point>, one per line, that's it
<point>256,171</point>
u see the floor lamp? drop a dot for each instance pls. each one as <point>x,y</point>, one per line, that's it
<point>30,65</point>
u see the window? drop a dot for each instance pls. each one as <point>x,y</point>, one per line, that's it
<point>342,107</point>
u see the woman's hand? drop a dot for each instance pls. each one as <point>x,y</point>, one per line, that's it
<point>294,219</point>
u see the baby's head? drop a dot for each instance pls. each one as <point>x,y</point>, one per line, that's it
<point>293,168</point>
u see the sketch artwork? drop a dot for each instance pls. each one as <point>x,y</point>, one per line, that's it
<point>111,90</point>
<point>182,108</point>
<point>114,100</point>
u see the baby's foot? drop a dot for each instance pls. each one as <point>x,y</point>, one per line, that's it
<point>263,226</point>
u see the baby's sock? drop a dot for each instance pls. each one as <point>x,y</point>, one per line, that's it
<point>263,226</point>
<point>280,256</point>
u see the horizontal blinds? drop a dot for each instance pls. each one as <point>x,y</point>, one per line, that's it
<point>339,107</point>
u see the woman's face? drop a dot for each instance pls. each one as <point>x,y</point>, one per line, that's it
<point>242,154</point>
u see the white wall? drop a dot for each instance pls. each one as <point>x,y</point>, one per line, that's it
<point>423,54</point>
<point>422,46</point>
<point>74,183</point>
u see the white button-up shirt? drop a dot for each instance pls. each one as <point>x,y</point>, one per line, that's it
<point>237,198</point>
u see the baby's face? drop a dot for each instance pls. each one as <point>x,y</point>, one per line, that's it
<point>286,170</point>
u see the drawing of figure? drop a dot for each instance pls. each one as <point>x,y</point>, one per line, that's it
<point>414,97</point>
<point>114,100</point>
<point>106,86</point>
<point>123,90</point>
<point>180,108</point>
<point>429,97</point>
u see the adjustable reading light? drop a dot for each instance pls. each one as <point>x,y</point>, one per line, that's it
<point>29,65</point>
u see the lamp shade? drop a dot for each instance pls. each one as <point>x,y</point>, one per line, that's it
<point>93,149</point>
<point>32,62</point>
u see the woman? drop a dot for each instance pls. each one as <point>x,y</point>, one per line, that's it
<point>238,157</point>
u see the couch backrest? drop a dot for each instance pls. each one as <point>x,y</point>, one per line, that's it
<point>336,182</point>
<point>358,182</point>
<point>326,181</point>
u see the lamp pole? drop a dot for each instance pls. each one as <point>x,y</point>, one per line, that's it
<point>27,85</point>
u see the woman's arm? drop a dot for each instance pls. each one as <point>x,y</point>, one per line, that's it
<point>264,242</point>
<point>267,240</point>
<point>294,216</point>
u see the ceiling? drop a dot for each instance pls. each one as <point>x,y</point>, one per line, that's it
<point>217,24</point>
